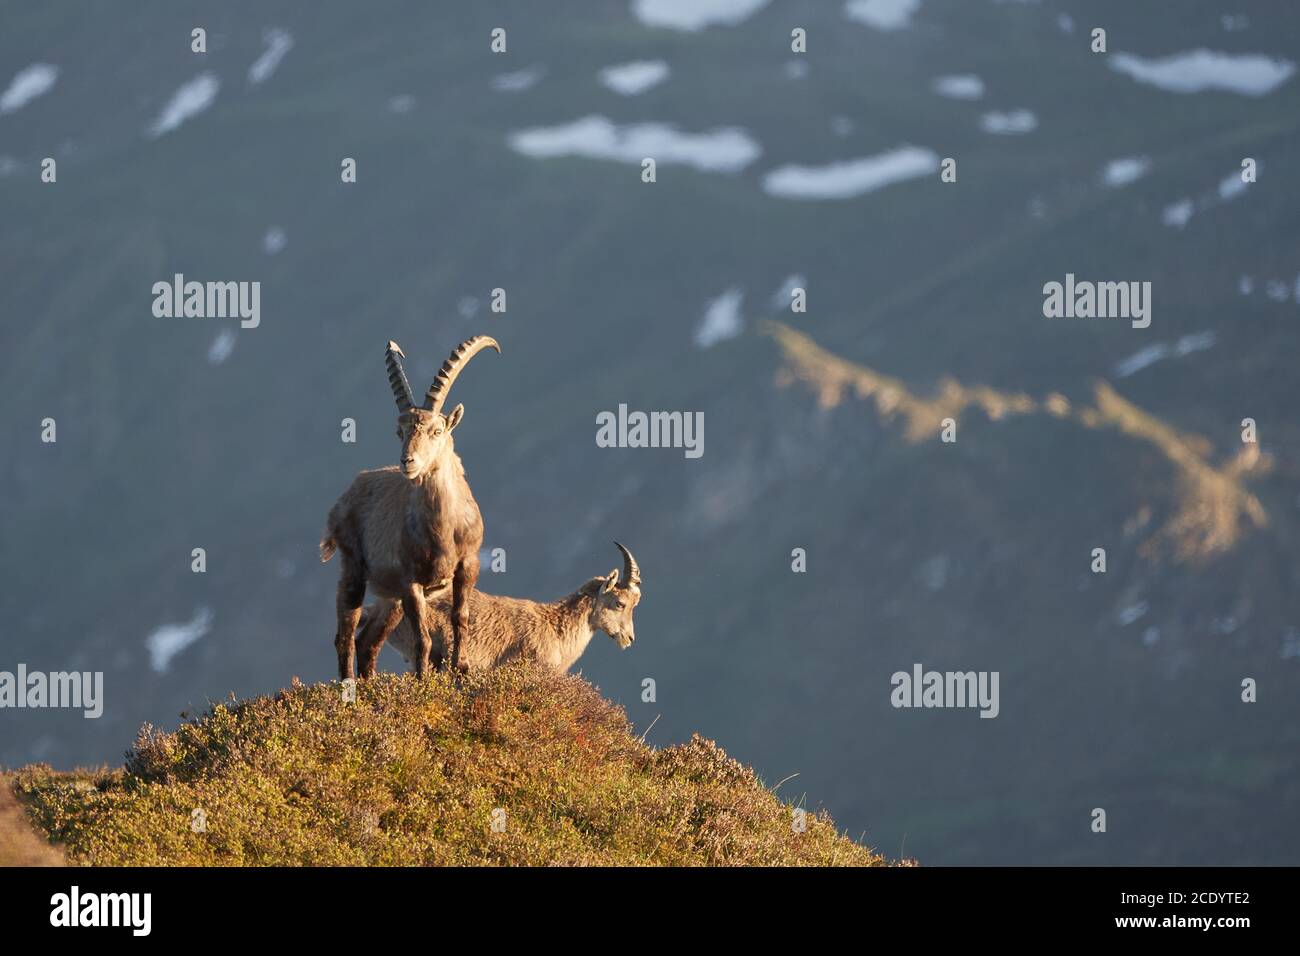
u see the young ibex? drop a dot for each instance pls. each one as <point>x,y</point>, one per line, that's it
<point>554,635</point>
<point>410,530</point>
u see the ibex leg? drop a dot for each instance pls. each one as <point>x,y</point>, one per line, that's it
<point>461,586</point>
<point>351,592</point>
<point>413,609</point>
<point>376,626</point>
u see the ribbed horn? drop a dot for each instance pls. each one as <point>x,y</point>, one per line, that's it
<point>451,368</point>
<point>393,356</point>
<point>631,572</point>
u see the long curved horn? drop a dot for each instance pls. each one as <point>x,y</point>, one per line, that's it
<point>393,356</point>
<point>631,573</point>
<point>451,368</point>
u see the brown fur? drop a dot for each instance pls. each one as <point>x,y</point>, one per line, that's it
<point>551,634</point>
<point>402,537</point>
<point>408,532</point>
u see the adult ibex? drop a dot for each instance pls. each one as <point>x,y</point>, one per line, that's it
<point>410,530</point>
<point>554,635</point>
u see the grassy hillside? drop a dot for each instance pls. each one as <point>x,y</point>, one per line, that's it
<point>19,846</point>
<point>416,772</point>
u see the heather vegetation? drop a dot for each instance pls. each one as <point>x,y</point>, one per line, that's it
<point>517,766</point>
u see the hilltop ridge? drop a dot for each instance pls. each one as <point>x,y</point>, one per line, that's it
<point>517,766</point>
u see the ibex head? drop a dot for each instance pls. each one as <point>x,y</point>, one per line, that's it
<point>615,601</point>
<point>425,432</point>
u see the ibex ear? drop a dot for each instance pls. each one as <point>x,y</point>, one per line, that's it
<point>454,418</point>
<point>611,581</point>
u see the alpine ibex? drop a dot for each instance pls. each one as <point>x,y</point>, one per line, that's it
<point>554,635</point>
<point>408,531</point>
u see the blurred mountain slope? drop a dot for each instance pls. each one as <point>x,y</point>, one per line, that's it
<point>1119,690</point>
